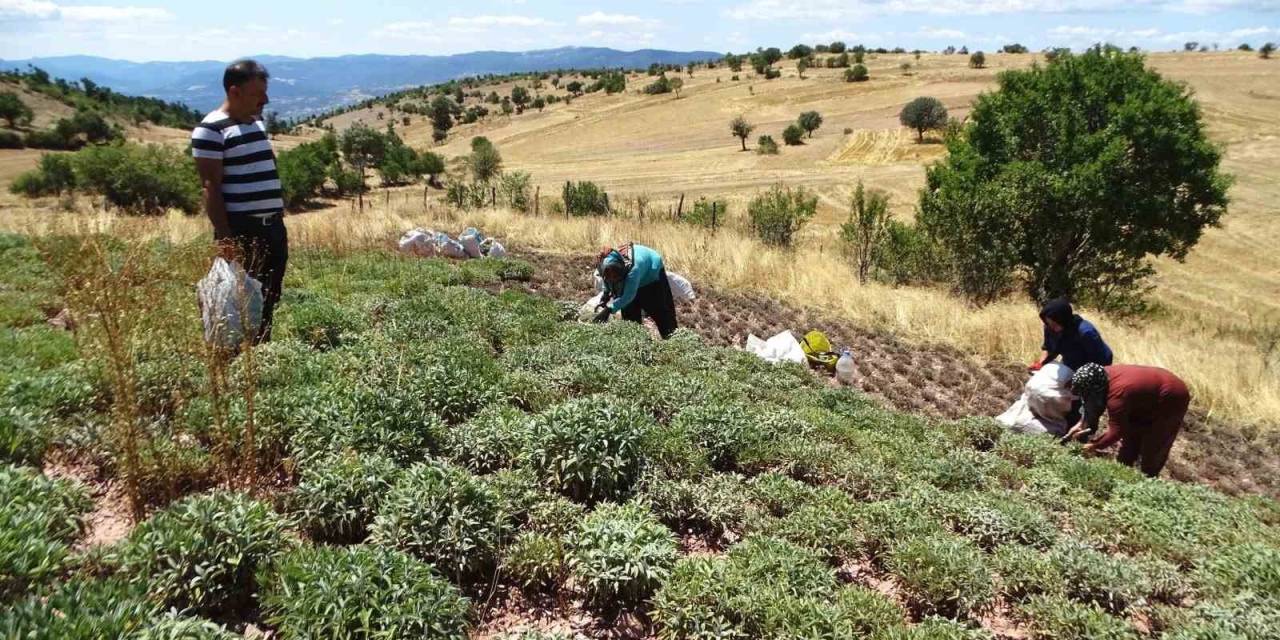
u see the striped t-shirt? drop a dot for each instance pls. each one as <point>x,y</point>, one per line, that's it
<point>250,183</point>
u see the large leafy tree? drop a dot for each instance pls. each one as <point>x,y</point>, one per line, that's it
<point>1075,174</point>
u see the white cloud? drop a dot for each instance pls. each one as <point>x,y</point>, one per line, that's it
<point>612,19</point>
<point>113,14</point>
<point>930,32</point>
<point>1087,35</point>
<point>408,30</point>
<point>500,21</point>
<point>27,9</point>
<point>827,10</point>
<point>336,22</point>
<point>43,10</point>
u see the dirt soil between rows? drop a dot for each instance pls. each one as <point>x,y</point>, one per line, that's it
<point>935,380</point>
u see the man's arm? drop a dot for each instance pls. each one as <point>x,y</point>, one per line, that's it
<point>210,171</point>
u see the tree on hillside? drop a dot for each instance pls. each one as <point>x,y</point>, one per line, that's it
<point>801,66</point>
<point>1190,46</point>
<point>676,83</point>
<point>430,165</point>
<point>14,110</point>
<point>441,113</point>
<point>539,103</point>
<point>978,60</point>
<point>867,226</point>
<point>793,135</point>
<point>574,87</point>
<point>1074,174</point>
<point>485,162</point>
<point>1244,46</point>
<point>810,121</point>
<point>741,129</point>
<point>836,47</point>
<point>1014,48</point>
<point>856,73</point>
<point>1266,50</point>
<point>362,147</point>
<point>520,96</point>
<point>800,51</point>
<point>922,114</point>
<point>734,62</point>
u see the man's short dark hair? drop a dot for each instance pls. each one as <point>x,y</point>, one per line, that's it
<point>242,71</point>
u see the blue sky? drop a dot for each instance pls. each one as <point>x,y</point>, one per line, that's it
<point>224,29</point>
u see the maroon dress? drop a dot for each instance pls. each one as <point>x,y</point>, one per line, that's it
<point>1145,411</point>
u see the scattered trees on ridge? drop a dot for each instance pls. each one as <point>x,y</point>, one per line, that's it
<point>978,60</point>
<point>741,129</point>
<point>922,114</point>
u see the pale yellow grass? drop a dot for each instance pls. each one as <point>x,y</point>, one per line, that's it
<point>1228,375</point>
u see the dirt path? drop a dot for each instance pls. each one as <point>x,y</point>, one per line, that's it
<point>930,379</point>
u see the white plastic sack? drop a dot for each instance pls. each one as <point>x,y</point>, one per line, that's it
<point>451,249</point>
<point>230,304</point>
<point>470,242</point>
<point>782,347</point>
<point>418,242</point>
<point>598,281</point>
<point>588,309</point>
<point>1044,404</point>
<point>681,288</point>
<point>496,250</point>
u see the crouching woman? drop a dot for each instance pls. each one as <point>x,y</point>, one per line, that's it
<point>1145,407</point>
<point>636,282</point>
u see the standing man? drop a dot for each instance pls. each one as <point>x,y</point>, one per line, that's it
<point>241,186</point>
<point>1145,409</point>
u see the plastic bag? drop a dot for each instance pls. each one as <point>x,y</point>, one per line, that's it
<point>496,250</point>
<point>782,347</point>
<point>230,304</point>
<point>418,242</point>
<point>1044,404</point>
<point>470,241</point>
<point>588,309</point>
<point>681,288</point>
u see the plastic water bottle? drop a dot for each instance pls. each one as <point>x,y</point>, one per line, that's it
<point>844,367</point>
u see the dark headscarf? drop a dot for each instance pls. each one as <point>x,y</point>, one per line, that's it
<point>1059,310</point>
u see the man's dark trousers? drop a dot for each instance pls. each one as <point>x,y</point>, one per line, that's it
<point>264,248</point>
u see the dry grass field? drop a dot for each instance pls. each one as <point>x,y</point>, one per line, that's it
<point>1219,317</point>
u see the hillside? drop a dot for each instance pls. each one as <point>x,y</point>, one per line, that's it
<point>309,85</point>
<point>1218,311</point>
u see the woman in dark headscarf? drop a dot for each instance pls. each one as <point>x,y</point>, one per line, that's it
<point>1073,338</point>
<point>1145,409</point>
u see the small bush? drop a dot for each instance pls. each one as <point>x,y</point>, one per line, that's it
<point>490,441</point>
<point>10,140</point>
<point>360,592</point>
<point>793,135</point>
<point>202,552</point>
<point>778,214</point>
<point>977,60</point>
<point>442,515</point>
<point>827,526</point>
<point>80,609</point>
<point>1025,572</point>
<point>723,430</point>
<point>53,176</point>
<point>766,146</point>
<point>39,519</point>
<point>319,322</point>
<point>856,73</point>
<point>708,213</point>
<point>1054,618</point>
<point>1250,567</point>
<point>1093,577</point>
<point>175,627</point>
<point>712,506</point>
<point>587,448</point>
<point>585,199</point>
<point>337,497</point>
<point>141,178</point>
<point>535,561</point>
<point>943,575</point>
<point>991,521</point>
<point>621,553</point>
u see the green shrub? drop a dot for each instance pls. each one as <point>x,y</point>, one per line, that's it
<point>708,213</point>
<point>175,627</point>
<point>10,140</point>
<point>337,497</point>
<point>1253,567</point>
<point>1093,577</point>
<point>1025,572</point>
<point>39,520</point>
<point>80,609</point>
<point>933,628</point>
<point>1055,618</point>
<point>712,506</point>
<point>993,520</point>
<point>1097,477</point>
<point>535,561</point>
<point>621,554</point>
<point>49,139</point>
<point>142,178</point>
<point>793,135</point>
<point>942,575</point>
<point>392,421</point>
<point>54,175</point>
<point>724,430</point>
<point>584,199</point>
<point>778,494</point>
<point>1027,451</point>
<point>490,441</point>
<point>360,592</point>
<point>303,171</point>
<point>963,470</point>
<point>778,214</point>
<point>319,322</point>
<point>827,527</point>
<point>1178,522</point>
<point>1244,616</point>
<point>24,435</point>
<point>885,524</point>
<point>442,515</point>
<point>201,552</point>
<point>587,448</point>
<point>856,73</point>
<point>766,146</point>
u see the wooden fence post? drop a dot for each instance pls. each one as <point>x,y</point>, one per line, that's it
<point>680,208</point>
<point>537,200</point>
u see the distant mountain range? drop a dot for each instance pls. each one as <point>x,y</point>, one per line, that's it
<point>300,86</point>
